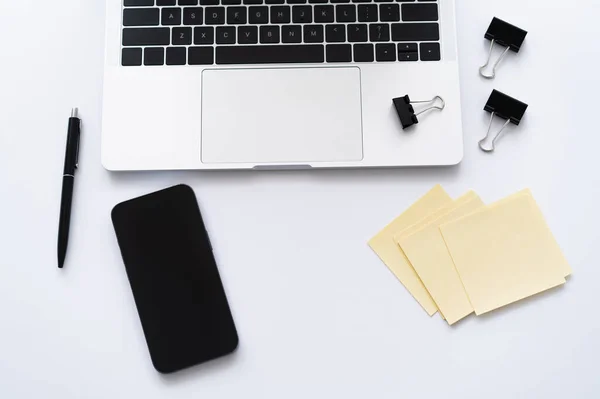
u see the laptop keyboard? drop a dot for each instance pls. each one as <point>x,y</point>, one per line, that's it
<point>229,32</point>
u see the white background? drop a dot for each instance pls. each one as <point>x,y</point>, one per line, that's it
<point>318,314</point>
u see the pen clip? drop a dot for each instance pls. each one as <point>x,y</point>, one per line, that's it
<point>77,155</point>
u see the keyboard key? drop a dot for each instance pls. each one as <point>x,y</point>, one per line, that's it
<point>146,36</point>
<point>274,1</point>
<point>389,12</point>
<point>141,16</point>
<point>301,14</point>
<point>363,53</point>
<point>192,16</point>
<point>296,1</point>
<point>419,12</point>
<point>379,32</point>
<point>131,57</point>
<point>412,32</point>
<point>231,2</point>
<point>408,47</point>
<point>204,35</point>
<point>317,1</point>
<point>324,13</point>
<point>357,32</point>
<point>201,56</point>
<point>247,35</point>
<point>166,2</point>
<point>258,15</point>
<point>209,2</point>
<point>367,13</point>
<point>280,15</point>
<point>313,34</point>
<point>338,52</point>
<point>187,3</point>
<point>385,52</point>
<point>269,34</point>
<point>430,52</point>
<point>291,34</point>
<point>138,3</point>
<point>345,13</point>
<point>361,1</point>
<point>335,33</point>
<point>171,16</point>
<point>182,36</point>
<point>214,15</point>
<point>236,15</point>
<point>226,35</point>
<point>408,56</point>
<point>271,54</point>
<point>340,1</point>
<point>154,56</point>
<point>176,55</point>
<point>252,1</point>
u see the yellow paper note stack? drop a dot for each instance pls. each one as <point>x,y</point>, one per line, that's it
<point>461,256</point>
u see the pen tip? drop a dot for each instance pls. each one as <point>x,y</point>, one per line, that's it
<point>74,113</point>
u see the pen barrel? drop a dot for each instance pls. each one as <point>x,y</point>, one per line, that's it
<point>65,217</point>
<point>72,153</point>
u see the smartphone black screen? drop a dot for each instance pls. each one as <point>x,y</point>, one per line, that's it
<point>174,278</point>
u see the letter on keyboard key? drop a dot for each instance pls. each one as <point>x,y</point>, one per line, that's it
<point>313,33</point>
<point>171,16</point>
<point>271,54</point>
<point>204,35</point>
<point>146,36</point>
<point>269,34</point>
<point>214,15</point>
<point>280,15</point>
<point>291,33</point>
<point>419,12</point>
<point>339,52</point>
<point>414,32</point>
<point>247,35</point>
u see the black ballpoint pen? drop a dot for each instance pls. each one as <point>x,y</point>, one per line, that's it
<point>71,163</point>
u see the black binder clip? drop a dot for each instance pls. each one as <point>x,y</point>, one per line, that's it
<point>506,35</point>
<point>406,111</point>
<point>505,107</point>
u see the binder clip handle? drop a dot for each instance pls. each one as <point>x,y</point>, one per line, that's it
<point>487,63</point>
<point>406,111</point>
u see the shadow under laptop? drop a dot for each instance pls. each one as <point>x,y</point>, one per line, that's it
<point>368,175</point>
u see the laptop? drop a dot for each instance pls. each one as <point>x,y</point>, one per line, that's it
<point>276,84</point>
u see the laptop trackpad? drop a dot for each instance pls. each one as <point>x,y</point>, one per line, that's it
<point>287,115</point>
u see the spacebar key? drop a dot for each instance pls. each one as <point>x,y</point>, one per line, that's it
<point>279,54</point>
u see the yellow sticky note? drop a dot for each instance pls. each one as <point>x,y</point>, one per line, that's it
<point>504,253</point>
<point>463,199</point>
<point>388,251</point>
<point>430,258</point>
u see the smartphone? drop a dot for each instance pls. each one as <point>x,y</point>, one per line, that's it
<point>174,278</point>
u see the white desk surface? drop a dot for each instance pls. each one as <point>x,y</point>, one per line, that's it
<point>318,314</point>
